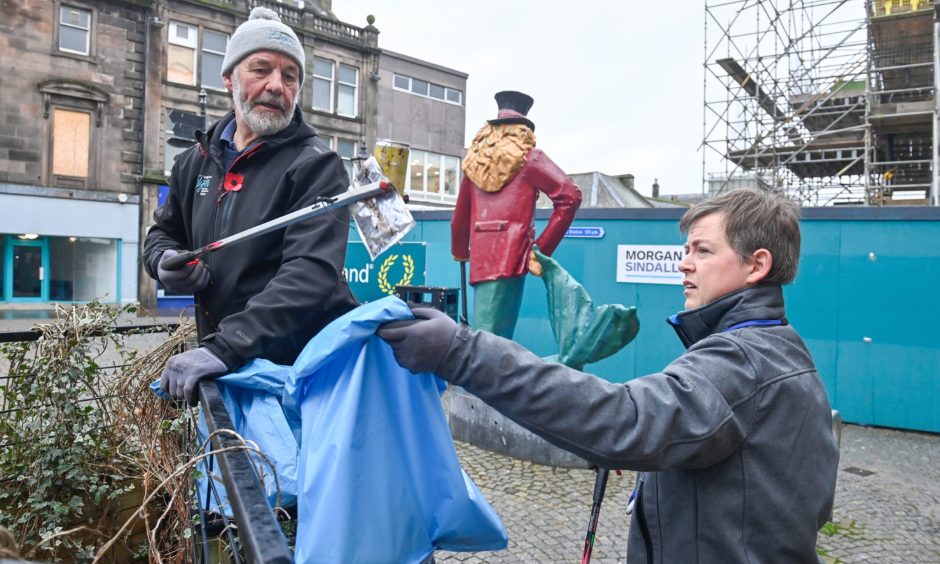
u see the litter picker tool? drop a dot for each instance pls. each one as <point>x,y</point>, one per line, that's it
<point>322,206</point>
<point>463,292</point>
<point>600,486</point>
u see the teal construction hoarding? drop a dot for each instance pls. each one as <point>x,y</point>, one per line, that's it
<point>401,265</point>
<point>865,299</point>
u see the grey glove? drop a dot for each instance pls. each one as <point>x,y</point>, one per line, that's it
<point>420,345</point>
<point>186,280</point>
<point>184,371</point>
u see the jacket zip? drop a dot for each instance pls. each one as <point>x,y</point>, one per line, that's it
<point>644,528</point>
<point>224,214</point>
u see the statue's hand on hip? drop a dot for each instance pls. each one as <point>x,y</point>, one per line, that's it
<point>535,267</point>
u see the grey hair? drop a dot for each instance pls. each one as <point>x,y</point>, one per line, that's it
<point>756,219</point>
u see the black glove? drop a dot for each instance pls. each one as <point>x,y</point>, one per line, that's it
<point>188,279</point>
<point>420,345</point>
<point>184,371</point>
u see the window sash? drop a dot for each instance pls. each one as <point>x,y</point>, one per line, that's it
<point>211,76</point>
<point>348,74</point>
<point>323,84</point>
<point>181,65</point>
<point>346,149</point>
<point>214,42</point>
<point>181,54</point>
<point>402,82</point>
<point>419,87</point>
<point>436,91</point>
<point>346,100</point>
<point>451,175</point>
<point>213,54</point>
<point>416,173</point>
<point>187,39</point>
<point>74,33</point>
<point>432,170</point>
<point>346,91</point>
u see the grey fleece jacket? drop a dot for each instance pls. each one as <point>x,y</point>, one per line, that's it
<point>733,437</point>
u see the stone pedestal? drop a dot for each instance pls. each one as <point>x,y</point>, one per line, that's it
<point>476,423</point>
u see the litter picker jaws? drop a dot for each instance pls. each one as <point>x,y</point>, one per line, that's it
<point>320,207</point>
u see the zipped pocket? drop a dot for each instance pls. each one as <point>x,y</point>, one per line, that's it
<point>636,503</point>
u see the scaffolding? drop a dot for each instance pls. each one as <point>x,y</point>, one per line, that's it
<point>832,102</point>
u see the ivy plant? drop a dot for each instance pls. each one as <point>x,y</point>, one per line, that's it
<point>58,478</point>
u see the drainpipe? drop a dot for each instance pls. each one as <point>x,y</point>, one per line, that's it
<point>146,289</point>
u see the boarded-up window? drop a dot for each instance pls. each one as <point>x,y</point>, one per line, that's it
<point>71,134</point>
<point>181,54</point>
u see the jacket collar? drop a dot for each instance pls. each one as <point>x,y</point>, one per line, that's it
<point>747,304</point>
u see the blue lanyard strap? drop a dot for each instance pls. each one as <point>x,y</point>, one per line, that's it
<point>757,322</point>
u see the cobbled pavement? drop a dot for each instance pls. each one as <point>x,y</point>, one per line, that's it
<point>887,506</point>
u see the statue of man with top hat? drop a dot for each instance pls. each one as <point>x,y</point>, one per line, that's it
<point>493,226</point>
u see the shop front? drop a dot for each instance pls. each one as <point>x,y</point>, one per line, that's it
<point>58,269</point>
<point>66,250</point>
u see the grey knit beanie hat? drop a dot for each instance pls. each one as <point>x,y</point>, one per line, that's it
<point>263,31</point>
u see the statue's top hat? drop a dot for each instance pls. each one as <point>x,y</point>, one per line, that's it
<point>513,107</point>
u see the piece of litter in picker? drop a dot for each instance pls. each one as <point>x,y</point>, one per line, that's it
<point>381,221</point>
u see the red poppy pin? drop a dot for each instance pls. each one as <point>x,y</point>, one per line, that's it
<point>233,182</point>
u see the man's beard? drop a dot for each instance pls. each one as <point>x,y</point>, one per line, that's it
<point>261,122</point>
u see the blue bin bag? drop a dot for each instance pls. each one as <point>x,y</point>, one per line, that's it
<point>252,397</point>
<point>379,478</point>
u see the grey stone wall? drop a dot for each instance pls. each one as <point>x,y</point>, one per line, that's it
<point>114,69</point>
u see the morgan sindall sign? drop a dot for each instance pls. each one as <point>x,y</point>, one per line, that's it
<point>650,264</point>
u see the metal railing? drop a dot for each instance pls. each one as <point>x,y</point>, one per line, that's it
<point>259,533</point>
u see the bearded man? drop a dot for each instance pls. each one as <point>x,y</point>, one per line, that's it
<point>268,296</point>
<point>492,226</point>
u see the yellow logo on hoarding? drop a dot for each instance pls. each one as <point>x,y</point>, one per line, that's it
<point>409,264</point>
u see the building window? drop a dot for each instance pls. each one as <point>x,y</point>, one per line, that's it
<point>72,115</point>
<point>344,97</point>
<point>82,269</point>
<point>74,30</point>
<point>346,102</point>
<point>182,63</point>
<point>427,89</point>
<point>346,149</point>
<point>322,84</point>
<point>181,54</point>
<point>433,177</point>
<point>213,52</point>
<point>416,172</point>
<point>450,175</point>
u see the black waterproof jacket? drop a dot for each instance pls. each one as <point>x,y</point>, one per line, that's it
<point>734,437</point>
<point>267,296</point>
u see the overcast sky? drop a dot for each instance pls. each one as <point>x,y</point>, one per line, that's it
<point>617,84</point>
